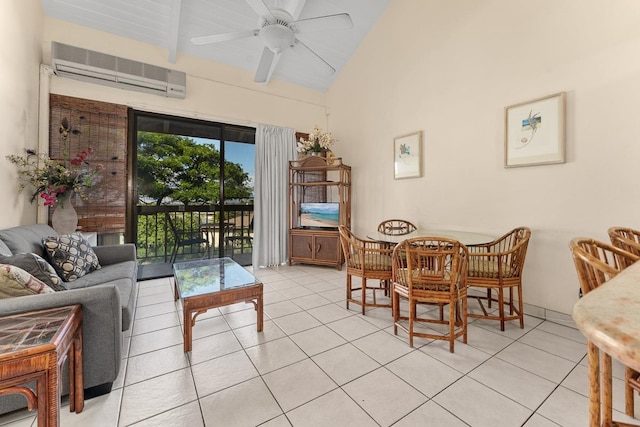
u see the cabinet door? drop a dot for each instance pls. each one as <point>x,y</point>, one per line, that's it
<point>301,246</point>
<point>326,248</point>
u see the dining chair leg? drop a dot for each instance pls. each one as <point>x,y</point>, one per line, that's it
<point>520,306</point>
<point>395,308</point>
<point>364,293</point>
<point>452,327</point>
<point>412,315</point>
<point>349,291</point>
<point>501,306</point>
<point>465,319</point>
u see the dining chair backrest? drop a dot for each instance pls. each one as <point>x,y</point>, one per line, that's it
<point>625,238</point>
<point>501,259</point>
<point>597,262</point>
<point>396,227</point>
<point>364,255</point>
<point>430,265</point>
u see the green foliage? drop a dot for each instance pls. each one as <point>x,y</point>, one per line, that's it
<point>175,168</point>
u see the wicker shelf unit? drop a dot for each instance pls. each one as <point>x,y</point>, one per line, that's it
<point>317,179</point>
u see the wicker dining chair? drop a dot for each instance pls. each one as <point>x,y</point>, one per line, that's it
<point>625,238</point>
<point>497,266</point>
<point>597,262</point>
<point>431,270</point>
<point>369,260</point>
<point>396,227</point>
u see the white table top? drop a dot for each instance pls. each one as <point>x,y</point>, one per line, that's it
<point>464,237</point>
<point>609,316</point>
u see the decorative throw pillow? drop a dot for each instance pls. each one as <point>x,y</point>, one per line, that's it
<point>71,255</point>
<point>38,267</point>
<point>15,282</point>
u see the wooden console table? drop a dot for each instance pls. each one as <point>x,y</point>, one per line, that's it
<point>33,347</point>
<point>609,316</point>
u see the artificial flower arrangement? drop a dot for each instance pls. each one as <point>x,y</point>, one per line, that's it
<point>55,180</point>
<point>317,142</point>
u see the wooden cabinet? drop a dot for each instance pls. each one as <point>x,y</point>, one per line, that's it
<point>315,247</point>
<point>320,183</point>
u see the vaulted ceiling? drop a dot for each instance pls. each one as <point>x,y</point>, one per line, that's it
<point>172,24</point>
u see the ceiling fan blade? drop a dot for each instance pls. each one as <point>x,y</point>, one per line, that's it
<point>260,8</point>
<point>267,64</point>
<point>216,38</point>
<point>341,21</point>
<point>327,67</point>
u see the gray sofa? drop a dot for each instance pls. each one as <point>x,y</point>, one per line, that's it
<point>107,297</point>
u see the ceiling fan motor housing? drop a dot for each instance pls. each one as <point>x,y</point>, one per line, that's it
<point>277,35</point>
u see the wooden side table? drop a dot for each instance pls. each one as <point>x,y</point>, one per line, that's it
<point>33,347</point>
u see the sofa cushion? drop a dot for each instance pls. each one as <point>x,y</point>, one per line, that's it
<point>71,255</point>
<point>4,249</point>
<point>38,267</point>
<point>15,282</point>
<point>26,239</point>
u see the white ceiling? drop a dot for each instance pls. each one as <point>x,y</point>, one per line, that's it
<point>172,23</point>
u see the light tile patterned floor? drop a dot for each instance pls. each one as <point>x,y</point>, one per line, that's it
<point>318,364</point>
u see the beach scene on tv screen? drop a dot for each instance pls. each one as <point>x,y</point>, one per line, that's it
<point>319,215</point>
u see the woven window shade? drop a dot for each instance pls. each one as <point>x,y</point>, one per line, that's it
<point>103,127</point>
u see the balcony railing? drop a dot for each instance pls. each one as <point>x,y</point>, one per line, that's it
<point>200,231</point>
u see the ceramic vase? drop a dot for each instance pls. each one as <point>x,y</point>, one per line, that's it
<point>65,218</point>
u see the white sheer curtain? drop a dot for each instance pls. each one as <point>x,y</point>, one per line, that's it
<point>275,146</point>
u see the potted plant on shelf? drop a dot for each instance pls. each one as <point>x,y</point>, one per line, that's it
<point>55,181</point>
<point>316,144</point>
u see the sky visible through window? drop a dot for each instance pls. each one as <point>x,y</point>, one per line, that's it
<point>236,152</point>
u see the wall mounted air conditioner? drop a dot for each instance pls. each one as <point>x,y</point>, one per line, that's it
<point>96,67</point>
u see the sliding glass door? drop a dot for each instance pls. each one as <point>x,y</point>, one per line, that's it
<point>193,189</point>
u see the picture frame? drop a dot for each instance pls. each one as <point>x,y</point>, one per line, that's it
<point>407,156</point>
<point>535,132</point>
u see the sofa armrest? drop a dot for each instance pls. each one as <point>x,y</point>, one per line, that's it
<point>101,326</point>
<point>113,254</point>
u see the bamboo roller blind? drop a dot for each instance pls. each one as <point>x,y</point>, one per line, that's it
<point>103,127</point>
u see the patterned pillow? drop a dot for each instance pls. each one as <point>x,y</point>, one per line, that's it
<point>71,255</point>
<point>15,282</point>
<point>38,267</point>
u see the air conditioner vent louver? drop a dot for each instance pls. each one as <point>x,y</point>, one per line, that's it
<point>96,67</point>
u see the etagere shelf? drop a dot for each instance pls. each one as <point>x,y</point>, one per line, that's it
<point>317,179</point>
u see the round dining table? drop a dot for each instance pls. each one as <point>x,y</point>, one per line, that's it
<point>465,237</point>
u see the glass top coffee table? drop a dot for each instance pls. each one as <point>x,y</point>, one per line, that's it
<point>210,283</point>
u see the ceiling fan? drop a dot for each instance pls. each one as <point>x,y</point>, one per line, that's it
<point>278,31</point>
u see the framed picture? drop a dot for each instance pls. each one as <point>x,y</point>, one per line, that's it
<point>407,156</point>
<point>535,132</point>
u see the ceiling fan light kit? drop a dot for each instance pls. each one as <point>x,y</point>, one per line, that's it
<point>277,31</point>
<point>277,37</point>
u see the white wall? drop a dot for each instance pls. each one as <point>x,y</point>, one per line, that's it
<point>21,32</point>
<point>449,68</point>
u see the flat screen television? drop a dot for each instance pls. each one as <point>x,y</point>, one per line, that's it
<point>320,215</point>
